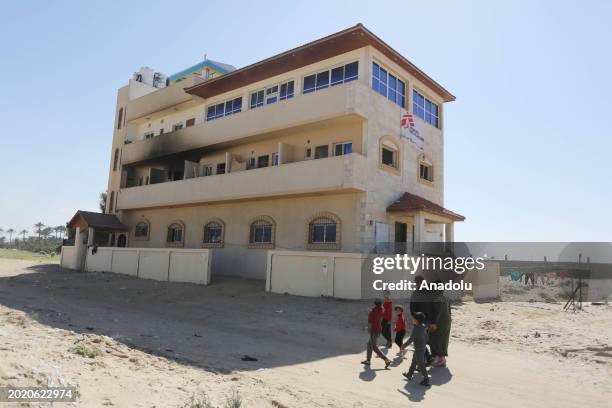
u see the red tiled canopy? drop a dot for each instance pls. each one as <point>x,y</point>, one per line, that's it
<point>412,202</point>
<point>101,221</point>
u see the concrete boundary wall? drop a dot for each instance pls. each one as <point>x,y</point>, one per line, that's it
<point>162,264</point>
<point>315,273</point>
<point>69,257</point>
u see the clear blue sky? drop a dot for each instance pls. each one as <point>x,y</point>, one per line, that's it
<point>528,143</point>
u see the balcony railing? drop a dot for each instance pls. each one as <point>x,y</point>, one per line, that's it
<point>326,104</point>
<point>340,173</point>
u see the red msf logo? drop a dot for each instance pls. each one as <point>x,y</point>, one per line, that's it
<point>407,121</point>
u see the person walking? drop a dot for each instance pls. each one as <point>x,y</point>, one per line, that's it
<point>439,329</point>
<point>374,328</point>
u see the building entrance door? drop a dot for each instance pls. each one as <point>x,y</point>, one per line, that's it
<point>401,235</point>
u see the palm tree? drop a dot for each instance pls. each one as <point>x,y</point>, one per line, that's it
<point>59,231</point>
<point>38,227</point>
<point>1,231</point>
<point>23,233</point>
<point>10,231</point>
<point>46,232</point>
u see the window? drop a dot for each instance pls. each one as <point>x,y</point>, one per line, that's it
<point>388,157</point>
<point>425,169</point>
<point>262,232</point>
<point>331,77</point>
<point>213,234</point>
<point>149,135</point>
<point>271,94</point>
<point>388,85</point>
<point>275,161</point>
<point>177,126</point>
<point>190,122</point>
<point>263,161</point>
<point>250,163</point>
<point>343,148</point>
<point>324,232</point>
<point>389,154</point>
<point>175,233</point>
<point>321,152</point>
<point>207,170</point>
<point>120,118</point>
<point>141,230</point>
<point>226,108</point>
<point>307,153</point>
<point>116,160</point>
<point>425,109</point>
<point>221,168</point>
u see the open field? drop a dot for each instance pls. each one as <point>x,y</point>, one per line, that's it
<point>126,342</point>
<point>27,256</point>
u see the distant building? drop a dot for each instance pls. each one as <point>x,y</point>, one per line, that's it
<point>334,145</point>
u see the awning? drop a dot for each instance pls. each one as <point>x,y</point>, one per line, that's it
<point>412,202</point>
<point>99,221</point>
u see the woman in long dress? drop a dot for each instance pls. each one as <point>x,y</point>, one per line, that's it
<point>439,331</point>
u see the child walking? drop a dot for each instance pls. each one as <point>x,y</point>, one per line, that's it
<point>400,326</point>
<point>374,329</point>
<point>387,318</point>
<point>419,338</point>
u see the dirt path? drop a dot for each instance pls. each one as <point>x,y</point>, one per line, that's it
<point>159,343</point>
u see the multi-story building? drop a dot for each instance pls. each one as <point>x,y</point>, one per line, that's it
<point>335,145</point>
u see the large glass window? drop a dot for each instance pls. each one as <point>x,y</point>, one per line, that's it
<point>323,231</point>
<point>226,108</point>
<point>271,94</point>
<point>331,77</point>
<point>425,109</point>
<point>388,85</point>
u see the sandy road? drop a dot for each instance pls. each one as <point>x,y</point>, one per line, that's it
<point>161,342</point>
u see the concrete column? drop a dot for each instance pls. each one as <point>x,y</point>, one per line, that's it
<point>449,233</point>
<point>90,236</point>
<point>419,228</point>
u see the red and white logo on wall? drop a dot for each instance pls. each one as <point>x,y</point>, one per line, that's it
<point>411,129</point>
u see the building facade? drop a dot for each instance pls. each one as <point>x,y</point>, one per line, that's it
<point>336,145</point>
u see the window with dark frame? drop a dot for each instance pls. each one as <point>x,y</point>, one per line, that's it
<point>343,148</point>
<point>261,232</point>
<point>175,233</point>
<point>389,157</point>
<point>213,233</point>
<point>426,172</point>
<point>425,109</point>
<point>221,168</point>
<point>331,77</point>
<point>388,85</point>
<point>323,231</point>
<point>222,109</point>
<point>321,152</point>
<point>263,161</point>
<point>190,122</point>
<point>141,230</point>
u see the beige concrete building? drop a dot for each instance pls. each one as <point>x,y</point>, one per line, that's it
<point>336,145</point>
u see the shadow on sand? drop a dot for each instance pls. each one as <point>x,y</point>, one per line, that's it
<point>211,327</point>
<point>416,392</point>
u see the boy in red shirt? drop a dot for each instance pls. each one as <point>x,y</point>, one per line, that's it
<point>387,318</point>
<point>400,326</point>
<point>374,328</point>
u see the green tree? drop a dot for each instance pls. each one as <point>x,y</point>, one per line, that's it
<point>38,227</point>
<point>10,231</point>
<point>23,233</point>
<point>59,231</point>
<point>46,232</point>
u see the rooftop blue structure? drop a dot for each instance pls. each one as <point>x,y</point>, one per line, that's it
<point>207,63</point>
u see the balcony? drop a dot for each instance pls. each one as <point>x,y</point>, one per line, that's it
<point>336,103</point>
<point>161,99</point>
<point>334,174</point>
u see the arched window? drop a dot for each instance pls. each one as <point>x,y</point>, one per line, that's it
<point>116,160</point>
<point>111,201</point>
<point>119,118</point>
<point>213,234</point>
<point>390,157</point>
<point>426,169</point>
<point>261,234</point>
<point>141,230</point>
<point>324,231</point>
<point>176,234</point>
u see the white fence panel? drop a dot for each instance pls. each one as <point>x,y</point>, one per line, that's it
<point>154,265</point>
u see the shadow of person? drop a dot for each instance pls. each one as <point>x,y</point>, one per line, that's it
<point>368,373</point>
<point>416,392</point>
